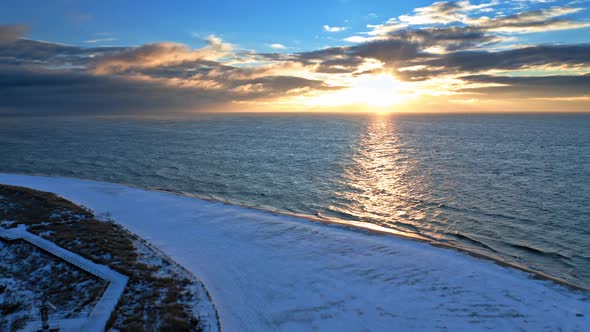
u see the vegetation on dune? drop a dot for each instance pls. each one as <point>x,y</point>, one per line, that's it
<point>28,273</point>
<point>157,296</point>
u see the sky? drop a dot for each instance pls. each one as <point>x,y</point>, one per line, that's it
<point>126,57</point>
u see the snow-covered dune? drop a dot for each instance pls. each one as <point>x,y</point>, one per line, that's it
<point>269,272</point>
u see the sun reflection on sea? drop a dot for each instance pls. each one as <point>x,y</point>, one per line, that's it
<point>384,179</point>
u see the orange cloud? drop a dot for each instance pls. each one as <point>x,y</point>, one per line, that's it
<point>161,54</point>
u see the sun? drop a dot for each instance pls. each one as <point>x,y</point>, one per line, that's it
<point>378,91</point>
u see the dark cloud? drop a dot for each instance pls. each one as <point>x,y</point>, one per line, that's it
<point>310,58</point>
<point>449,38</point>
<point>398,54</point>
<point>11,33</point>
<point>197,69</point>
<point>61,78</point>
<point>74,92</point>
<point>463,38</point>
<point>531,86</point>
<point>69,92</point>
<point>273,86</point>
<point>530,21</point>
<point>465,62</point>
<point>340,65</point>
<point>391,52</point>
<point>200,83</point>
<point>399,49</point>
<point>541,55</point>
<point>35,53</point>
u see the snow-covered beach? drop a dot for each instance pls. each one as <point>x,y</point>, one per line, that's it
<point>274,272</point>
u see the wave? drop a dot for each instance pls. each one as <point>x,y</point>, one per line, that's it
<point>536,251</point>
<point>472,241</point>
<point>444,206</point>
<point>492,254</point>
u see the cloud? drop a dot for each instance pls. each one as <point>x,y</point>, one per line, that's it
<point>358,39</point>
<point>328,28</point>
<point>467,14</point>
<point>408,55</point>
<point>391,52</point>
<point>53,78</point>
<point>50,92</point>
<point>575,98</point>
<point>272,86</point>
<point>531,21</point>
<point>460,40</point>
<point>99,40</point>
<point>447,38</point>
<point>160,54</point>
<point>448,48</point>
<point>30,53</point>
<point>444,12</point>
<point>404,48</point>
<point>558,86</point>
<point>533,56</point>
<point>393,24</point>
<point>66,92</point>
<point>439,12</point>
<point>11,33</point>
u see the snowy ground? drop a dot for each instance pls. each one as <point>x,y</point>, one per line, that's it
<point>268,272</point>
<point>26,272</point>
<point>101,312</point>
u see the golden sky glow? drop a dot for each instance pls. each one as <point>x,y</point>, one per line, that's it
<point>371,90</point>
<point>453,56</point>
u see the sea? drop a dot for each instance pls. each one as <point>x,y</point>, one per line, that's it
<point>515,187</point>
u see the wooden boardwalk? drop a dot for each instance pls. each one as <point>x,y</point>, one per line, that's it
<point>101,312</point>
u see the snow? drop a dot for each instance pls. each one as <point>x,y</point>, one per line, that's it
<point>101,312</point>
<point>203,306</point>
<point>273,272</point>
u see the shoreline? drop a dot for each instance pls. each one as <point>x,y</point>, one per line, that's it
<point>354,226</point>
<point>202,288</point>
<point>266,271</point>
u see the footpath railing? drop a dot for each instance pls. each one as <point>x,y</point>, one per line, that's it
<point>100,314</point>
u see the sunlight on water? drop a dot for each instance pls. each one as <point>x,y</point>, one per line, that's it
<point>382,178</point>
<point>514,187</point>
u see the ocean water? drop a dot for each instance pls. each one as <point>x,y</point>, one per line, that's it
<point>515,187</point>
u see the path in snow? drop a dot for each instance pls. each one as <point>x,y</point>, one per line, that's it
<point>101,312</point>
<point>269,272</point>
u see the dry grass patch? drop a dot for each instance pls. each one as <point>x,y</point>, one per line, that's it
<point>156,296</point>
